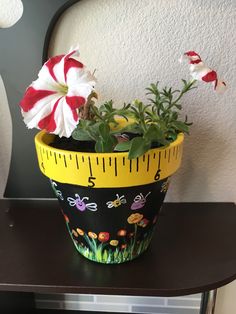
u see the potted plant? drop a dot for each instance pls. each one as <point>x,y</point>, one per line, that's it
<point>109,167</point>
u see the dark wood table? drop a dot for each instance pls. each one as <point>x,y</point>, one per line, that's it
<point>193,250</point>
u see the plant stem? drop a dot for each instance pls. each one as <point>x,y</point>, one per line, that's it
<point>189,85</point>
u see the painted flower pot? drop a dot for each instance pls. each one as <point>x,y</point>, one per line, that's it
<point>110,203</point>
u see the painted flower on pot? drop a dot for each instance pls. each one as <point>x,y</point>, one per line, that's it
<point>143,223</point>
<point>135,218</point>
<point>80,231</point>
<point>52,101</point>
<point>92,235</point>
<point>74,233</point>
<point>122,233</point>
<point>103,236</point>
<point>114,242</point>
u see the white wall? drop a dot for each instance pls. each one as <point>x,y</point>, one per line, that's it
<point>132,43</point>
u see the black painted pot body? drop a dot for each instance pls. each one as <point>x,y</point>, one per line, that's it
<point>111,225</point>
<point>110,203</point>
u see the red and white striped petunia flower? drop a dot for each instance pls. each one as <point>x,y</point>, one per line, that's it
<point>201,72</point>
<point>52,101</point>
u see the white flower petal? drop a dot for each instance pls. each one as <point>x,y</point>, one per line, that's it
<point>64,119</point>
<point>40,110</point>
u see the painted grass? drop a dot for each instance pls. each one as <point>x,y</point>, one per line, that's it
<point>103,253</point>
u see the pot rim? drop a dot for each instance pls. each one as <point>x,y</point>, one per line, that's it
<point>43,139</point>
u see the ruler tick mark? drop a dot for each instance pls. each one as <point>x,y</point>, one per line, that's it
<point>97,160</point>
<point>65,161</point>
<point>47,154</point>
<point>90,167</point>
<point>77,164</point>
<point>148,160</point>
<point>154,156</point>
<point>82,158</point>
<point>123,161</point>
<point>169,155</point>
<point>130,165</point>
<point>55,156</point>
<point>109,161</point>
<point>115,167</point>
<point>137,164</point>
<point>103,164</point>
<point>159,161</point>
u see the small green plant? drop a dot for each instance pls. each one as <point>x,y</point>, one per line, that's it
<point>149,125</point>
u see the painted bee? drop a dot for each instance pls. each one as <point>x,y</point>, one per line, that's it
<point>80,204</point>
<point>117,202</point>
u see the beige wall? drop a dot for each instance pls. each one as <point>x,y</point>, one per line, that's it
<point>133,43</point>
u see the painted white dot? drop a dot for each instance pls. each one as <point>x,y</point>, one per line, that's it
<point>10,12</point>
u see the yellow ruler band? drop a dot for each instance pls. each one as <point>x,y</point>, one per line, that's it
<point>100,170</point>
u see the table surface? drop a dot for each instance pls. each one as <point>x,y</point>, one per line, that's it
<point>193,250</point>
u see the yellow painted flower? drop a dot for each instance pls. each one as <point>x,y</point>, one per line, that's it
<point>134,218</point>
<point>114,242</point>
<point>80,231</point>
<point>75,233</point>
<point>92,235</point>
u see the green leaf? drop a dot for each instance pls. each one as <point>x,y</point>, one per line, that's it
<point>155,134</point>
<point>138,147</point>
<point>105,146</point>
<point>123,146</point>
<point>180,126</point>
<point>81,135</point>
<point>104,131</point>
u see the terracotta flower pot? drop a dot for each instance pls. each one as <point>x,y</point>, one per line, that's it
<point>110,203</point>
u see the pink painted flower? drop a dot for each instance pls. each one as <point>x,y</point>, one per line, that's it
<point>52,101</point>
<point>143,223</point>
<point>201,72</point>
